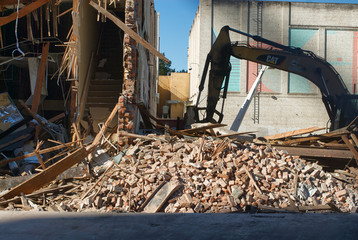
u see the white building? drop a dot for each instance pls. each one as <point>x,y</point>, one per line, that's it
<point>286,101</point>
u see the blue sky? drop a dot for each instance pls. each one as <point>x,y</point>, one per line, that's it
<point>176,18</point>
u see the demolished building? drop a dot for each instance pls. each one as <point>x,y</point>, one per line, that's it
<point>91,60</point>
<point>106,74</point>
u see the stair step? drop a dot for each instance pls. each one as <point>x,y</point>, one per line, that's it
<point>109,99</point>
<point>102,105</point>
<point>103,93</point>
<point>109,88</point>
<point>106,82</point>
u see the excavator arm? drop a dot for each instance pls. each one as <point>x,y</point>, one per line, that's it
<point>289,59</point>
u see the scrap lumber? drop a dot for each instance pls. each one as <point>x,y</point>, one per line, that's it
<point>214,184</point>
<point>129,31</point>
<point>294,133</point>
<point>38,193</point>
<point>161,197</point>
<point>46,176</point>
<point>22,12</point>
<point>11,182</point>
<point>50,173</point>
<point>209,184</point>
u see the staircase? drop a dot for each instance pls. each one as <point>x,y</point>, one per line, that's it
<point>103,93</point>
<point>106,86</point>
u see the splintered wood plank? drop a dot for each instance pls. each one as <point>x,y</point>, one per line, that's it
<point>129,31</point>
<point>160,198</point>
<point>22,12</point>
<point>294,133</point>
<point>49,174</point>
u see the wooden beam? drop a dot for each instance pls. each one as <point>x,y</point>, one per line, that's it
<point>63,13</point>
<point>40,78</point>
<point>351,147</point>
<point>98,138</point>
<point>294,133</point>
<point>316,152</point>
<point>46,176</point>
<point>129,31</point>
<point>22,12</point>
<point>160,198</point>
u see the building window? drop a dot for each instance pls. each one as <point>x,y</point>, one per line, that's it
<point>234,82</point>
<point>342,53</point>
<point>306,39</point>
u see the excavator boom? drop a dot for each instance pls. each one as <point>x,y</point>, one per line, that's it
<point>286,58</point>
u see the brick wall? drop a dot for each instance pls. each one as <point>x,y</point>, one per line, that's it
<point>127,109</point>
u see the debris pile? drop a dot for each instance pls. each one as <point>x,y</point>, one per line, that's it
<point>200,175</point>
